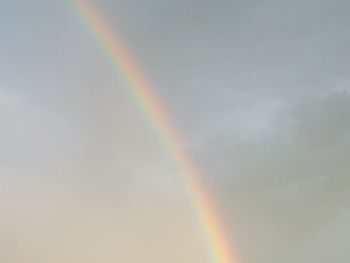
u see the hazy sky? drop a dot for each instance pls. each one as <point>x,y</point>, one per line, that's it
<point>260,89</point>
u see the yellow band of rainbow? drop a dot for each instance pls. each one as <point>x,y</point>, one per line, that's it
<point>151,107</point>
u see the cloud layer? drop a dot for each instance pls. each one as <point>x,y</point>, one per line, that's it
<point>287,191</point>
<point>259,88</point>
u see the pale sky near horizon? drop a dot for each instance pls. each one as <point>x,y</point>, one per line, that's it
<point>260,90</point>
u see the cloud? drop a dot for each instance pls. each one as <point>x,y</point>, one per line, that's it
<point>59,203</point>
<point>286,192</point>
<point>260,89</point>
<point>31,134</point>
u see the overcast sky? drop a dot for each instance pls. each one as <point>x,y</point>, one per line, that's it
<point>260,90</point>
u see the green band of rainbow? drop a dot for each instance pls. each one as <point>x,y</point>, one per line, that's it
<point>154,112</point>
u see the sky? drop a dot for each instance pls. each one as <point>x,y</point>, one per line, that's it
<point>259,89</point>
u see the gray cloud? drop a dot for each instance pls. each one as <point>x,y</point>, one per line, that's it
<point>287,192</point>
<point>259,89</point>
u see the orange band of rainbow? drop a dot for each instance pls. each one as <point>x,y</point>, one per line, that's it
<point>154,112</point>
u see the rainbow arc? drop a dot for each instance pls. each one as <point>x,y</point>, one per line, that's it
<point>155,113</point>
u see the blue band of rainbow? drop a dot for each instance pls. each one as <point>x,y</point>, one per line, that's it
<point>155,114</point>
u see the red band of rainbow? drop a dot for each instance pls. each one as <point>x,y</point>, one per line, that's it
<point>151,107</point>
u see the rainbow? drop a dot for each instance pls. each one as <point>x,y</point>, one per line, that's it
<point>154,112</point>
